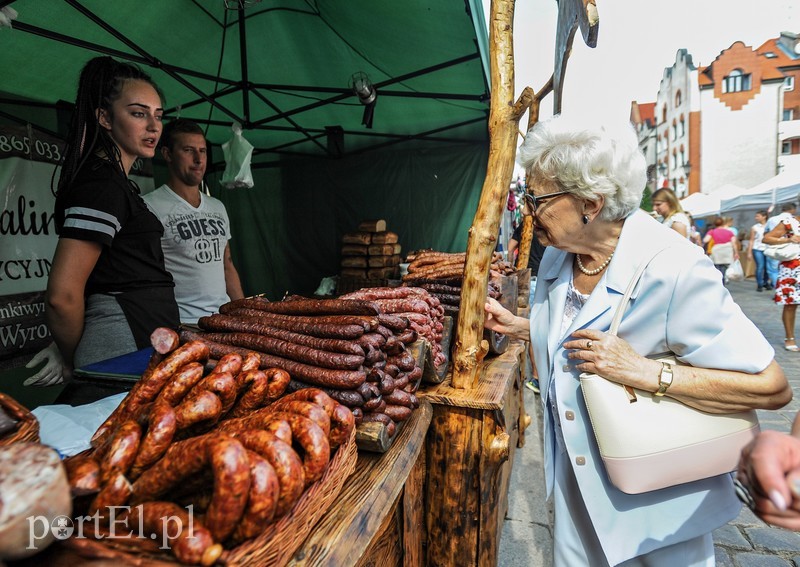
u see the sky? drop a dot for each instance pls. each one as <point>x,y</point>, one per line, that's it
<point>637,39</point>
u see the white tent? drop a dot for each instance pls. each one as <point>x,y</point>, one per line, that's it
<point>701,205</point>
<point>782,188</point>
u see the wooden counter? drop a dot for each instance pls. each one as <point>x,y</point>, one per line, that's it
<point>471,444</point>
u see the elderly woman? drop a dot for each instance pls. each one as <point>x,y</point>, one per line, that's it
<point>585,186</point>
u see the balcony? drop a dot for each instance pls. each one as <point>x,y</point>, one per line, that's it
<point>788,129</point>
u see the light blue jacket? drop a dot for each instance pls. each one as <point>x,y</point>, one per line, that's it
<point>680,305</point>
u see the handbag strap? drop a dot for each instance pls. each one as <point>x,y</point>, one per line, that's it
<point>623,304</point>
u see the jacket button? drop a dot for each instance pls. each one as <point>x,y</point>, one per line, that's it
<point>569,415</point>
<point>566,368</point>
<point>580,460</point>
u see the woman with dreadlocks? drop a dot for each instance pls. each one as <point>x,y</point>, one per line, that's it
<point>108,287</point>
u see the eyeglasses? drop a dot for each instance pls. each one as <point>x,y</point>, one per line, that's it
<point>535,201</point>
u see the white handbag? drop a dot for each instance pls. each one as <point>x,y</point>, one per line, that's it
<point>783,252</point>
<point>649,442</point>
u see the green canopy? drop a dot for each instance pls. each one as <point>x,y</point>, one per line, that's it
<point>283,70</point>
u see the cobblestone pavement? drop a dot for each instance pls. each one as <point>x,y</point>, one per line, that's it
<point>747,541</point>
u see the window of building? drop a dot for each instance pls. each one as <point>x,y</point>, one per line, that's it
<point>683,158</point>
<point>664,114</point>
<point>788,114</point>
<point>770,55</point>
<point>674,132</point>
<point>788,84</point>
<point>674,161</point>
<point>677,99</point>
<point>683,127</point>
<point>786,148</point>
<point>736,82</point>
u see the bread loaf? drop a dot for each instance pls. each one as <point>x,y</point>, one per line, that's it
<point>354,273</point>
<point>386,237</point>
<point>354,261</point>
<point>383,249</point>
<point>384,261</point>
<point>363,238</point>
<point>354,250</point>
<point>381,273</point>
<point>372,226</point>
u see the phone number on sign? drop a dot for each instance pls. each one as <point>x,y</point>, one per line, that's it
<point>22,145</point>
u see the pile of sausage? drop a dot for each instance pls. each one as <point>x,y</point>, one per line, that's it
<point>423,311</point>
<point>433,265</point>
<point>226,441</point>
<point>352,349</point>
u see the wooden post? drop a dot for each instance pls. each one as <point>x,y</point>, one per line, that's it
<point>504,118</point>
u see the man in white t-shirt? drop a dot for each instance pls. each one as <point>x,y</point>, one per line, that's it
<point>196,226</point>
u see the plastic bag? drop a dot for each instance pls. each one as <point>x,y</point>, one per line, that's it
<point>734,273</point>
<point>237,152</point>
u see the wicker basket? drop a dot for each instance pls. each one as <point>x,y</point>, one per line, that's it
<point>27,430</point>
<point>274,547</point>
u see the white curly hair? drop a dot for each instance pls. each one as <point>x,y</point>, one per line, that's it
<point>588,161</point>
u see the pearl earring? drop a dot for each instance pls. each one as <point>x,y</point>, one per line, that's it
<point>585,219</point>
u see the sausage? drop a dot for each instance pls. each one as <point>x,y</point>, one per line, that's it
<point>374,340</point>
<point>164,340</point>
<point>83,473</point>
<point>314,395</point>
<point>189,546</point>
<point>401,398</point>
<point>278,381</point>
<point>408,304</point>
<point>262,499</point>
<point>148,387</point>
<point>375,405</point>
<point>373,355</point>
<point>401,380</point>
<point>318,329</point>
<point>392,370</point>
<point>230,362</point>
<point>408,336</point>
<point>220,383</point>
<point>181,383</point>
<point>285,462</point>
<point>313,441</point>
<point>349,398</point>
<point>397,413</point>
<point>358,414</point>
<point>434,288</point>
<point>343,379</point>
<point>385,332</point>
<point>115,492</point>
<point>381,418</point>
<point>393,346</point>
<point>254,385</point>
<point>393,322</point>
<point>205,407</point>
<point>231,323</point>
<point>342,424</point>
<point>231,467</point>
<point>228,461</point>
<point>448,299</point>
<point>307,306</point>
<point>308,409</point>
<point>121,451</point>
<point>291,351</point>
<point>251,362</point>
<point>386,384</point>
<point>368,391</point>
<point>404,361</point>
<point>161,427</point>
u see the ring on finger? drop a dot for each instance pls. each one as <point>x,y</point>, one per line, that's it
<point>589,344</point>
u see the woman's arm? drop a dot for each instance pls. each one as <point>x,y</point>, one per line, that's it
<point>73,262</point>
<point>777,234</point>
<point>750,242</point>
<point>500,319</point>
<point>680,228</point>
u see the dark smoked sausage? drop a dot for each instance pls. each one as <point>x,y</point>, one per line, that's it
<point>349,398</point>
<point>308,306</point>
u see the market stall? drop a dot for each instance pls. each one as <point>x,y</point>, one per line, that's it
<point>421,433</point>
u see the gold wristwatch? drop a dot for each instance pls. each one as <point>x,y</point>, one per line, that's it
<point>664,378</point>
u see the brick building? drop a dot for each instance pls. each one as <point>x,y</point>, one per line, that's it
<point>735,121</point>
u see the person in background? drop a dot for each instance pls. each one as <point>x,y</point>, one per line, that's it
<point>729,224</point>
<point>694,234</point>
<point>534,259</point>
<point>108,288</point>
<point>770,471</point>
<point>196,226</point>
<point>585,184</point>
<point>787,210</point>
<point>787,288</point>
<point>755,250</point>
<point>666,204</point>
<point>725,249</point>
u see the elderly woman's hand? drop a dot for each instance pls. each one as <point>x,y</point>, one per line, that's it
<point>612,358</point>
<point>770,470</point>
<point>501,320</point>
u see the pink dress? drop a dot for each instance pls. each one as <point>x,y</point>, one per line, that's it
<point>787,290</point>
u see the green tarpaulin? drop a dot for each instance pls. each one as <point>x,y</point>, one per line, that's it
<point>283,70</point>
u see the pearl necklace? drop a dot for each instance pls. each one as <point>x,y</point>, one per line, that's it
<point>596,270</point>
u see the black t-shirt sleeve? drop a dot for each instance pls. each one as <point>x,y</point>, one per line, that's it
<point>517,235</point>
<point>96,211</point>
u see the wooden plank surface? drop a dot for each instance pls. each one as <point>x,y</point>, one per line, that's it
<point>492,386</point>
<point>346,530</point>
